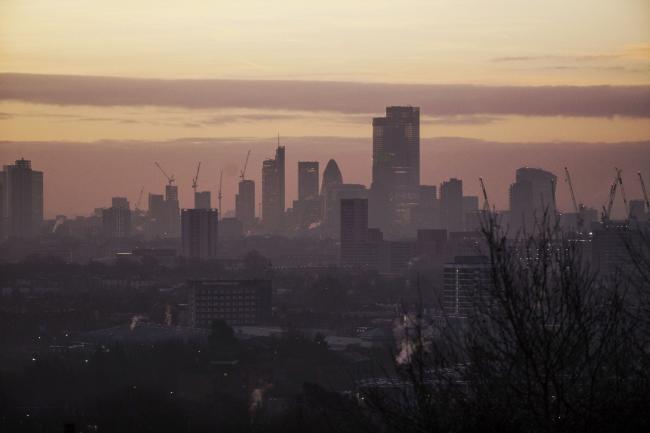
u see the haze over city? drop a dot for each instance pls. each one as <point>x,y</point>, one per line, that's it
<point>317,216</point>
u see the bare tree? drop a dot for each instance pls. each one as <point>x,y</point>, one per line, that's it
<point>551,346</point>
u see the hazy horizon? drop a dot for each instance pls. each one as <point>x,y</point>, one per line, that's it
<point>526,80</point>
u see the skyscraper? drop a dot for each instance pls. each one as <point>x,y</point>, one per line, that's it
<point>116,220</point>
<point>245,203</point>
<point>172,209</point>
<point>307,180</point>
<point>396,147</point>
<point>532,194</point>
<point>273,191</point>
<point>155,215</point>
<point>331,176</point>
<point>199,229</point>
<point>22,195</point>
<point>395,166</point>
<point>451,205</point>
<point>354,231</point>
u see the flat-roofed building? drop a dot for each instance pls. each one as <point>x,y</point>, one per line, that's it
<point>237,302</point>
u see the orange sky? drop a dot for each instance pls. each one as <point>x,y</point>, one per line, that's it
<point>438,42</point>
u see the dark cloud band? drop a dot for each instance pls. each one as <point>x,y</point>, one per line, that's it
<point>344,97</point>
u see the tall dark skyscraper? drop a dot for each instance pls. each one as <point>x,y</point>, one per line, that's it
<point>354,231</point>
<point>395,165</point>
<point>273,191</point>
<point>530,196</point>
<point>22,199</point>
<point>245,203</point>
<point>199,228</point>
<point>396,147</point>
<point>451,205</point>
<point>307,180</point>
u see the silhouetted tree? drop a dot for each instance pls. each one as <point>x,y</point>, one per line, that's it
<point>551,346</point>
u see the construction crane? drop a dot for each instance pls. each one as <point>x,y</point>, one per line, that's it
<point>219,195</point>
<point>486,204</point>
<point>576,207</point>
<point>137,203</point>
<point>645,192</point>
<point>242,173</point>
<point>170,179</point>
<point>619,178</point>
<point>607,209</point>
<point>195,180</point>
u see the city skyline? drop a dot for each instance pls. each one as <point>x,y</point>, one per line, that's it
<point>314,216</point>
<point>356,168</point>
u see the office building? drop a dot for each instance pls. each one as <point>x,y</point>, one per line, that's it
<point>331,176</point>
<point>273,191</point>
<point>307,180</point>
<point>245,203</point>
<point>237,302</point>
<point>396,148</point>
<point>395,165</point>
<point>354,231</point>
<point>531,196</point>
<point>116,220</point>
<point>451,205</point>
<point>22,199</point>
<point>202,200</point>
<point>332,204</point>
<point>200,229</point>
<point>463,280</point>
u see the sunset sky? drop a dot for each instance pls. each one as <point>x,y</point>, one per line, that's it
<point>314,69</point>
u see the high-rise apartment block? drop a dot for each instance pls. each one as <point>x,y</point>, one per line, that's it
<point>200,229</point>
<point>464,280</point>
<point>21,197</point>
<point>245,203</point>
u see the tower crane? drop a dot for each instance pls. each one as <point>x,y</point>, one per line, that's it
<point>195,180</point>
<point>619,178</point>
<point>170,179</point>
<point>219,195</point>
<point>242,173</point>
<point>607,209</point>
<point>576,207</point>
<point>486,204</point>
<point>645,192</point>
